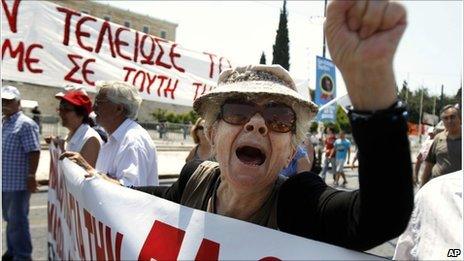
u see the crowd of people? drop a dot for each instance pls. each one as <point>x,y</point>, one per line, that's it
<point>253,158</point>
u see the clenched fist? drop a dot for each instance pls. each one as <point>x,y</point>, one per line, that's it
<point>362,37</point>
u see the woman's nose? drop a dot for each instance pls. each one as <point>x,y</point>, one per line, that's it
<point>257,123</point>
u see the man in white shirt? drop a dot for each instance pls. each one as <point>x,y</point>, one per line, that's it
<point>435,228</point>
<point>129,155</point>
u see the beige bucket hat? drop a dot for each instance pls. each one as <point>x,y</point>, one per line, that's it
<point>252,81</point>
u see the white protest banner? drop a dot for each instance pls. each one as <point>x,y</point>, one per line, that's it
<point>46,44</point>
<point>90,218</point>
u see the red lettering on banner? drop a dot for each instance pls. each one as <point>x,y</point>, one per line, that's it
<point>173,55</point>
<point>162,78</point>
<point>221,62</point>
<point>128,72</point>
<point>80,238</point>
<point>18,52</point>
<point>144,81</point>
<point>105,30</point>
<point>12,16</point>
<point>211,65</point>
<point>209,250</point>
<point>80,33</point>
<point>212,58</point>
<point>163,242</point>
<point>102,243</point>
<point>89,221</point>
<point>145,46</point>
<point>150,82</point>
<point>29,61</point>
<point>142,84</point>
<point>118,42</point>
<point>200,89</point>
<point>148,59</point>
<point>99,241</point>
<point>170,90</point>
<point>85,71</point>
<point>67,22</point>
<point>136,49</point>
<point>69,76</point>
<point>160,54</point>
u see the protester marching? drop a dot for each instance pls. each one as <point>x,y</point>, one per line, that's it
<point>252,153</point>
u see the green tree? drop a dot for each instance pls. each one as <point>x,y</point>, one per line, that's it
<point>333,125</point>
<point>342,120</point>
<point>262,60</point>
<point>159,114</point>
<point>280,48</point>
<point>312,93</point>
<point>313,126</point>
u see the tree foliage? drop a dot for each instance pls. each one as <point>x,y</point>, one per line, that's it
<point>280,48</point>
<point>412,98</point>
<point>262,60</point>
<point>162,115</point>
<point>342,120</point>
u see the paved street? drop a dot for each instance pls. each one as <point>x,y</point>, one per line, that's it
<point>171,162</point>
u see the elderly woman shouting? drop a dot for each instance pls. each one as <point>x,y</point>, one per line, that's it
<point>255,119</point>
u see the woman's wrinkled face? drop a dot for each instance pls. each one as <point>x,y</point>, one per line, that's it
<point>251,155</point>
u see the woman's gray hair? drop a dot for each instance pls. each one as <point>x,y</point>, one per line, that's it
<point>124,94</point>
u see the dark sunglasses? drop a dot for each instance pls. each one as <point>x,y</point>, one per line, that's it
<point>200,128</point>
<point>65,107</point>
<point>278,117</point>
<point>450,117</point>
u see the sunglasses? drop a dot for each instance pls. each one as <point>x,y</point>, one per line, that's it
<point>65,107</point>
<point>450,118</point>
<point>278,117</point>
<point>200,128</point>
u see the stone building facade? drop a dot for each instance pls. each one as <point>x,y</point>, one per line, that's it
<point>44,94</point>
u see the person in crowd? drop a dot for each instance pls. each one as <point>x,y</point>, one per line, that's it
<point>74,110</point>
<point>425,148</point>
<point>445,155</point>
<point>255,119</point>
<point>202,151</point>
<point>329,152</point>
<point>311,153</point>
<point>129,155</point>
<point>436,225</point>
<point>37,117</point>
<point>99,129</point>
<point>300,162</point>
<point>20,158</point>
<point>342,154</point>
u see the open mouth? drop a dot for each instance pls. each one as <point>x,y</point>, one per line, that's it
<point>250,155</point>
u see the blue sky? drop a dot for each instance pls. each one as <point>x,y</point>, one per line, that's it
<point>430,53</point>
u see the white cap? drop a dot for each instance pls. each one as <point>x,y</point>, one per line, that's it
<point>70,87</point>
<point>10,93</point>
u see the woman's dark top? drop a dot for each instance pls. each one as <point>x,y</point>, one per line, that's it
<point>361,219</point>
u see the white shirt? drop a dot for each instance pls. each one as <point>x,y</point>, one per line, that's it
<point>129,155</point>
<point>80,137</point>
<point>436,225</point>
<point>424,151</point>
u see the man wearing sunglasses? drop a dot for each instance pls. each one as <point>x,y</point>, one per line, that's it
<point>255,119</point>
<point>445,153</point>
